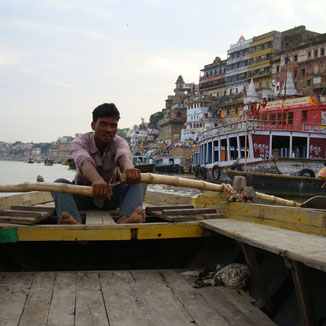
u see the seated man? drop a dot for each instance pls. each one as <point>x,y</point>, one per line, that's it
<point>99,156</point>
<point>322,173</point>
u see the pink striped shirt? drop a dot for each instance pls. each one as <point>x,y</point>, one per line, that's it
<point>84,149</point>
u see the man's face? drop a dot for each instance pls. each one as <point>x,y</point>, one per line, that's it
<point>105,130</point>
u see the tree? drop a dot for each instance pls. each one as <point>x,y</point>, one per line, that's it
<point>155,118</point>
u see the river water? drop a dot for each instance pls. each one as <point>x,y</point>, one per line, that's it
<point>13,172</point>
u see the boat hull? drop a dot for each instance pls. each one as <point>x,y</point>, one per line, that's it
<point>282,185</point>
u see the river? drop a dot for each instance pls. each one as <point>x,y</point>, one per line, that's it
<point>13,172</point>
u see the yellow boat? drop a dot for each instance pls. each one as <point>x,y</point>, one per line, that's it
<point>103,273</point>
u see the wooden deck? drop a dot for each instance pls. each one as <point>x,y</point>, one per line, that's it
<point>118,298</point>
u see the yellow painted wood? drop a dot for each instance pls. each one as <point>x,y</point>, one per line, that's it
<point>109,233</point>
<point>297,217</point>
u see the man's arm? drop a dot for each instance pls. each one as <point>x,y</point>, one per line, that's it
<point>133,174</point>
<point>100,188</point>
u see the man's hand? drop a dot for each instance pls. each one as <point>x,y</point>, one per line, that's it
<point>133,175</point>
<point>101,189</point>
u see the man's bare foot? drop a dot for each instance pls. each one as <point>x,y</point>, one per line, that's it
<point>138,216</point>
<point>66,218</point>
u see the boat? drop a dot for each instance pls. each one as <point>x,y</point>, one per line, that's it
<point>167,164</point>
<point>285,137</point>
<point>282,185</point>
<point>30,160</point>
<point>48,162</point>
<point>71,163</point>
<point>149,265</point>
<point>143,163</point>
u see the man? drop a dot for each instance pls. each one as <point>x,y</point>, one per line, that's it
<point>322,173</point>
<point>99,156</point>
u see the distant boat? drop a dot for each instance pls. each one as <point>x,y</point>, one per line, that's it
<point>48,162</point>
<point>30,160</point>
<point>282,185</point>
<point>143,163</point>
<point>166,164</point>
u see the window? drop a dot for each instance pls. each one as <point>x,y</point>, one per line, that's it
<point>236,91</point>
<point>309,54</point>
<point>316,53</point>
<point>290,118</point>
<point>295,58</point>
<point>279,116</point>
<point>277,68</point>
<point>308,82</point>
<point>295,73</point>
<point>304,115</point>
<point>322,51</point>
<point>303,72</point>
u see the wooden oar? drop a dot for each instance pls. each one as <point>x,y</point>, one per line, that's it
<point>151,178</point>
<point>52,187</point>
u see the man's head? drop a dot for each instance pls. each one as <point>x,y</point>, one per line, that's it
<point>105,124</point>
<point>106,110</point>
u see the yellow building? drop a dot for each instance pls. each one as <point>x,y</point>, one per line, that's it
<point>261,51</point>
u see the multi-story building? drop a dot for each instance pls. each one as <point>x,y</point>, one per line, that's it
<point>197,113</point>
<point>303,55</point>
<point>261,51</point>
<point>237,66</point>
<point>212,79</point>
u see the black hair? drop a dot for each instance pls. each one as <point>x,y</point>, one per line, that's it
<point>325,163</point>
<point>106,110</point>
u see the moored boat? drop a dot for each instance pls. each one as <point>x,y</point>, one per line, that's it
<point>282,138</point>
<point>282,185</point>
<point>166,164</point>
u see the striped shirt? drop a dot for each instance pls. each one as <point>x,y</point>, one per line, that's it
<point>84,149</point>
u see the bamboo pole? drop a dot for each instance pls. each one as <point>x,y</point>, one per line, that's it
<point>148,178</point>
<point>52,187</point>
<point>151,178</point>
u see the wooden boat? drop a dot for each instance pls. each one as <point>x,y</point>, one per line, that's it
<point>282,185</point>
<point>142,264</point>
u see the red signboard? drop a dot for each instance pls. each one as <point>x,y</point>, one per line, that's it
<point>317,148</point>
<point>261,146</point>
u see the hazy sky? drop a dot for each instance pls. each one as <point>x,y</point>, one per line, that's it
<point>60,59</point>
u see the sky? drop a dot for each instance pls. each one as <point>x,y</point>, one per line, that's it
<point>61,59</point>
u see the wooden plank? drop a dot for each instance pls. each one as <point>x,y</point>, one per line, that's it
<point>109,232</point>
<point>306,248</point>
<point>257,277</point>
<point>244,302</point>
<point>35,208</point>
<point>90,308</point>
<point>99,217</point>
<point>24,219</point>
<point>292,215</point>
<point>202,312</point>
<point>24,213</point>
<point>160,302</point>
<point>229,312</point>
<point>14,288</point>
<point>62,307</point>
<point>150,209</point>
<point>122,304</point>
<point>191,211</point>
<point>303,290</point>
<point>38,302</point>
<point>177,218</point>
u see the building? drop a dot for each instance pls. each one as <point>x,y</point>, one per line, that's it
<point>175,114</point>
<point>303,55</point>
<point>237,66</point>
<point>212,78</point>
<point>261,52</point>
